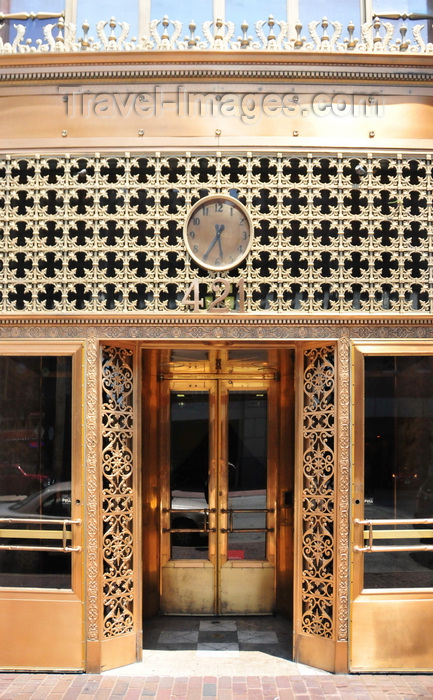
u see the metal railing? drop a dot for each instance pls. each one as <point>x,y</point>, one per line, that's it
<point>63,534</point>
<point>206,511</point>
<point>200,511</point>
<point>370,535</point>
<point>233,511</point>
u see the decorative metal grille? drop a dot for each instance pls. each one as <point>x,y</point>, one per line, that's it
<point>117,493</point>
<point>333,234</point>
<point>318,493</point>
<point>168,34</point>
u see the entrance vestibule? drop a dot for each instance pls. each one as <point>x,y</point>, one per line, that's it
<point>224,478</point>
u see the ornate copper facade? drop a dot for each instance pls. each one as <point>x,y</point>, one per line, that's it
<point>93,234</point>
<point>318,496</point>
<point>117,491</point>
<point>92,249</point>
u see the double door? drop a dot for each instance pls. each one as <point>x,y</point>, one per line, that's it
<point>218,496</point>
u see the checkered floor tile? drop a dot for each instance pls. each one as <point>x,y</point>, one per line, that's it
<point>221,636</point>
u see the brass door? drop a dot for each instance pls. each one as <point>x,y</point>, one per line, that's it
<point>392,576</point>
<point>41,511</point>
<point>218,497</point>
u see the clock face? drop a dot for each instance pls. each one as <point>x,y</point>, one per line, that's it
<point>218,232</point>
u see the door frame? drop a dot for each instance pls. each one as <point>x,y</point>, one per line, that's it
<point>284,355</point>
<point>56,615</point>
<point>389,628</point>
<point>327,649</point>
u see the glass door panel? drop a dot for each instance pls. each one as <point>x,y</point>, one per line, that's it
<point>35,472</point>
<point>398,470</point>
<point>188,548</point>
<point>247,474</point>
<point>392,601</point>
<point>189,474</point>
<point>217,512</point>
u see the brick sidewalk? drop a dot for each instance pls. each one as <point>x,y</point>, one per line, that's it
<point>34,686</point>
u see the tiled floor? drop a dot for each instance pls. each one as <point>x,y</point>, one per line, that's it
<point>270,635</point>
<point>219,646</point>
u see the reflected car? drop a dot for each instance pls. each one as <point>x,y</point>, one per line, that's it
<point>52,503</point>
<point>17,481</point>
<point>185,519</point>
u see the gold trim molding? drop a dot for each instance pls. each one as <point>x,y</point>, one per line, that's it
<point>203,328</point>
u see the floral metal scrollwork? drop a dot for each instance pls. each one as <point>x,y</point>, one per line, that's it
<point>318,492</point>
<point>118,491</point>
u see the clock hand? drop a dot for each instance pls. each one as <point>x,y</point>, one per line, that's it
<point>219,229</point>
<point>219,241</point>
<point>206,255</point>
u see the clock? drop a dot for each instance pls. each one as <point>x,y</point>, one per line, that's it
<point>218,232</point>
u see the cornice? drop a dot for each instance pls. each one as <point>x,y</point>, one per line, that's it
<point>216,66</point>
<point>216,320</point>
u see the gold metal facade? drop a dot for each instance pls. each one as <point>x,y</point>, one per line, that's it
<point>333,234</point>
<point>91,247</point>
<point>117,492</point>
<point>318,494</point>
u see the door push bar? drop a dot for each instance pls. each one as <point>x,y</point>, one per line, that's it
<point>232,511</point>
<point>203,511</point>
<point>371,534</point>
<point>62,534</point>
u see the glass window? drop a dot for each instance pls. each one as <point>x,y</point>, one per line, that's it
<point>252,11</point>
<point>94,12</point>
<point>189,473</point>
<point>247,474</point>
<point>386,7</point>
<point>34,27</point>
<point>184,12</point>
<point>399,467</point>
<point>334,10</point>
<point>35,469</point>
<point>189,355</point>
<point>401,6</point>
<point>256,356</point>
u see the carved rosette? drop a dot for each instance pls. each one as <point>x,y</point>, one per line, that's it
<point>318,497</point>
<point>117,492</point>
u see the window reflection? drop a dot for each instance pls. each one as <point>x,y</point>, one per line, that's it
<point>334,10</point>
<point>199,12</point>
<point>402,7</point>
<point>189,473</point>
<point>34,27</point>
<point>93,12</point>
<point>189,355</point>
<point>399,464</point>
<point>35,468</point>
<point>247,474</point>
<point>252,11</point>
